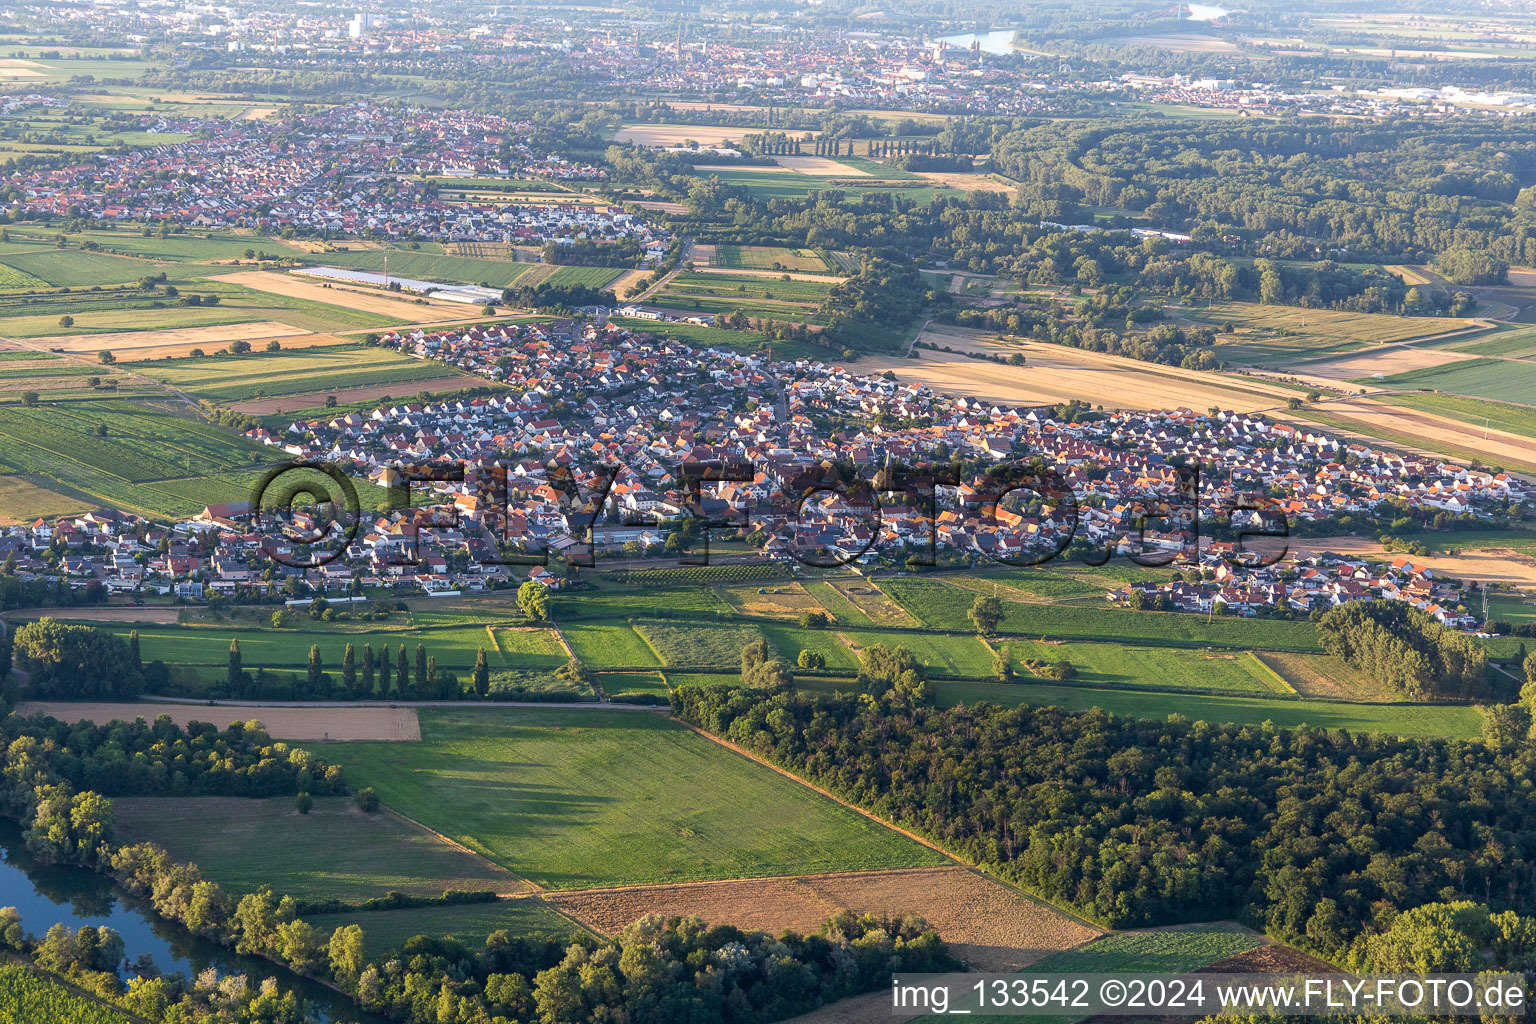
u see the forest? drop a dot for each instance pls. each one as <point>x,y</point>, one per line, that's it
<point>1319,838</point>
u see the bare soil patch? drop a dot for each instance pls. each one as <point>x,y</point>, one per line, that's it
<point>257,113</point>
<point>985,922</point>
<point>160,614</point>
<point>659,206</point>
<point>287,723</point>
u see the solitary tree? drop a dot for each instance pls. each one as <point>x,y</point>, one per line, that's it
<point>421,670</point>
<point>316,669</point>
<point>482,675</point>
<point>232,679</point>
<point>106,356</point>
<point>349,669</point>
<point>533,599</point>
<point>402,672</point>
<point>986,613</point>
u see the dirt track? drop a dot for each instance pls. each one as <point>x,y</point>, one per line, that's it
<point>994,927</point>
<point>282,723</point>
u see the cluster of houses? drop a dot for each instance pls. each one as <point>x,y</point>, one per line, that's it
<point>1301,585</point>
<point>597,443</point>
<point>354,169</point>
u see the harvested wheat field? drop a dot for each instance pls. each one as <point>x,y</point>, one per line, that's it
<point>1056,373</point>
<point>366,300</point>
<point>821,167</point>
<point>1397,359</point>
<point>181,340</point>
<point>1492,445</point>
<point>985,922</point>
<point>677,134</point>
<point>1490,564</point>
<point>964,182</point>
<point>284,723</point>
<point>776,600</point>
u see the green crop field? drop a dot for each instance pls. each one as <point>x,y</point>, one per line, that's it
<point>788,641</point>
<point>608,645</point>
<point>1173,951</point>
<point>260,374</point>
<point>770,257</point>
<point>696,644</point>
<point>333,852</point>
<point>528,648</point>
<point>951,655</point>
<point>728,286</point>
<point>1110,664</point>
<point>574,798</point>
<point>470,923</point>
<point>27,997</point>
<point>425,266</point>
<point>1517,343</point>
<point>1454,722</point>
<point>844,611</point>
<point>148,461</point>
<point>629,684</point>
<point>590,277</point>
<point>1500,380</point>
<point>208,646</point>
<point>1270,333</point>
<point>936,604</point>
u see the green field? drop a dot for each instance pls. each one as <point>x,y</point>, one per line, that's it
<point>948,655</point>
<point>697,645</point>
<point>528,648</point>
<point>208,646</point>
<point>269,374</point>
<point>333,852</point>
<point>470,923</point>
<point>1111,664</point>
<point>1455,722</point>
<point>1500,380</point>
<point>28,997</point>
<point>1287,333</point>
<point>149,460</point>
<point>937,604</point>
<point>608,645</point>
<point>765,184</point>
<point>1517,343</point>
<point>769,257</point>
<point>1167,951</point>
<point>425,266</point>
<point>576,798</point>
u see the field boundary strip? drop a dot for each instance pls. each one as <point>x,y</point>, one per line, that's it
<point>915,837</point>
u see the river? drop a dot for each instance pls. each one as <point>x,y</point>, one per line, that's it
<point>46,896</point>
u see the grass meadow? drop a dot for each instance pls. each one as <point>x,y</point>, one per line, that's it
<point>575,798</point>
<point>333,852</point>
